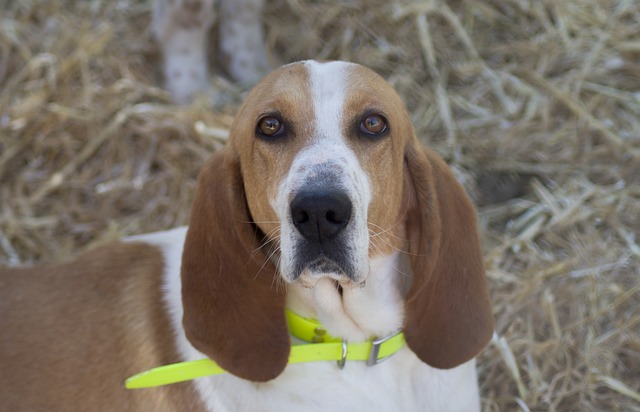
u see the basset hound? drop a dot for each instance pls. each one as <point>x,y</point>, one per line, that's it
<point>323,205</point>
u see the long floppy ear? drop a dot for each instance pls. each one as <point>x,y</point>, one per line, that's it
<point>233,312</point>
<point>448,318</point>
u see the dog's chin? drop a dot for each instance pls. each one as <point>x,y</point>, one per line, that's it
<point>325,268</point>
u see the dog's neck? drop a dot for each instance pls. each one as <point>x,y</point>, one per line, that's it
<point>357,312</point>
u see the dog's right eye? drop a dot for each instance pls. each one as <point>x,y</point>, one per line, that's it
<point>270,126</point>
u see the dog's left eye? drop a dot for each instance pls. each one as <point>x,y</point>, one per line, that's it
<point>270,126</point>
<point>373,125</point>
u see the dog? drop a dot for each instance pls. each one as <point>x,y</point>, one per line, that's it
<point>181,29</point>
<point>323,204</point>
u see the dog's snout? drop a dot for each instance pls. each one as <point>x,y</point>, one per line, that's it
<point>320,215</point>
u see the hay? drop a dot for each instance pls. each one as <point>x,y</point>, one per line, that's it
<point>536,104</point>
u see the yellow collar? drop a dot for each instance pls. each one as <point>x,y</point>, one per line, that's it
<point>323,348</point>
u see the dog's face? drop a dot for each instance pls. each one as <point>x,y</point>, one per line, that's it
<point>321,151</point>
<point>323,172</point>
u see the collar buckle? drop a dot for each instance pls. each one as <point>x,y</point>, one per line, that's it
<point>343,357</point>
<point>375,349</point>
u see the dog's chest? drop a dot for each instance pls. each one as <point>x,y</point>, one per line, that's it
<point>401,383</point>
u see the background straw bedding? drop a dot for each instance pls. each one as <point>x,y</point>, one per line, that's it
<point>535,104</point>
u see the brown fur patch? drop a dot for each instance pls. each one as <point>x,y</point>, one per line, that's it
<point>72,333</point>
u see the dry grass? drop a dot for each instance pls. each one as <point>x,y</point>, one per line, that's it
<point>535,103</point>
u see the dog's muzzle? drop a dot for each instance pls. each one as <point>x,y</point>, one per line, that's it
<point>321,217</point>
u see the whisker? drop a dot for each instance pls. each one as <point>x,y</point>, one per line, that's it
<point>385,231</point>
<point>379,251</point>
<point>374,234</point>
<point>271,253</point>
<point>403,251</point>
<point>271,238</point>
<point>377,235</point>
<point>276,273</point>
<point>277,280</point>
<point>376,248</point>
<point>400,220</point>
<point>379,248</point>
<point>258,222</point>
<point>265,243</point>
<point>274,222</point>
<point>401,272</point>
<point>407,275</point>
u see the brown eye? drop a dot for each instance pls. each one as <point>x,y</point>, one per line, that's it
<point>373,125</point>
<point>270,126</point>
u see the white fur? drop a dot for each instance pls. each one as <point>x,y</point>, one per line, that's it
<point>371,307</point>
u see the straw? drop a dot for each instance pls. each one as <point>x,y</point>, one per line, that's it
<point>535,103</point>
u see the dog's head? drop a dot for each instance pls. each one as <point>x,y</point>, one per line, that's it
<point>323,172</point>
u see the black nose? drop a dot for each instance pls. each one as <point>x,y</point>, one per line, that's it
<point>320,215</point>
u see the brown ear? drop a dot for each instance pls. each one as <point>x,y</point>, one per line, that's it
<point>233,311</point>
<point>448,318</point>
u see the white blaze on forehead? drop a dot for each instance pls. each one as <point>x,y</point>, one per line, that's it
<point>328,88</point>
